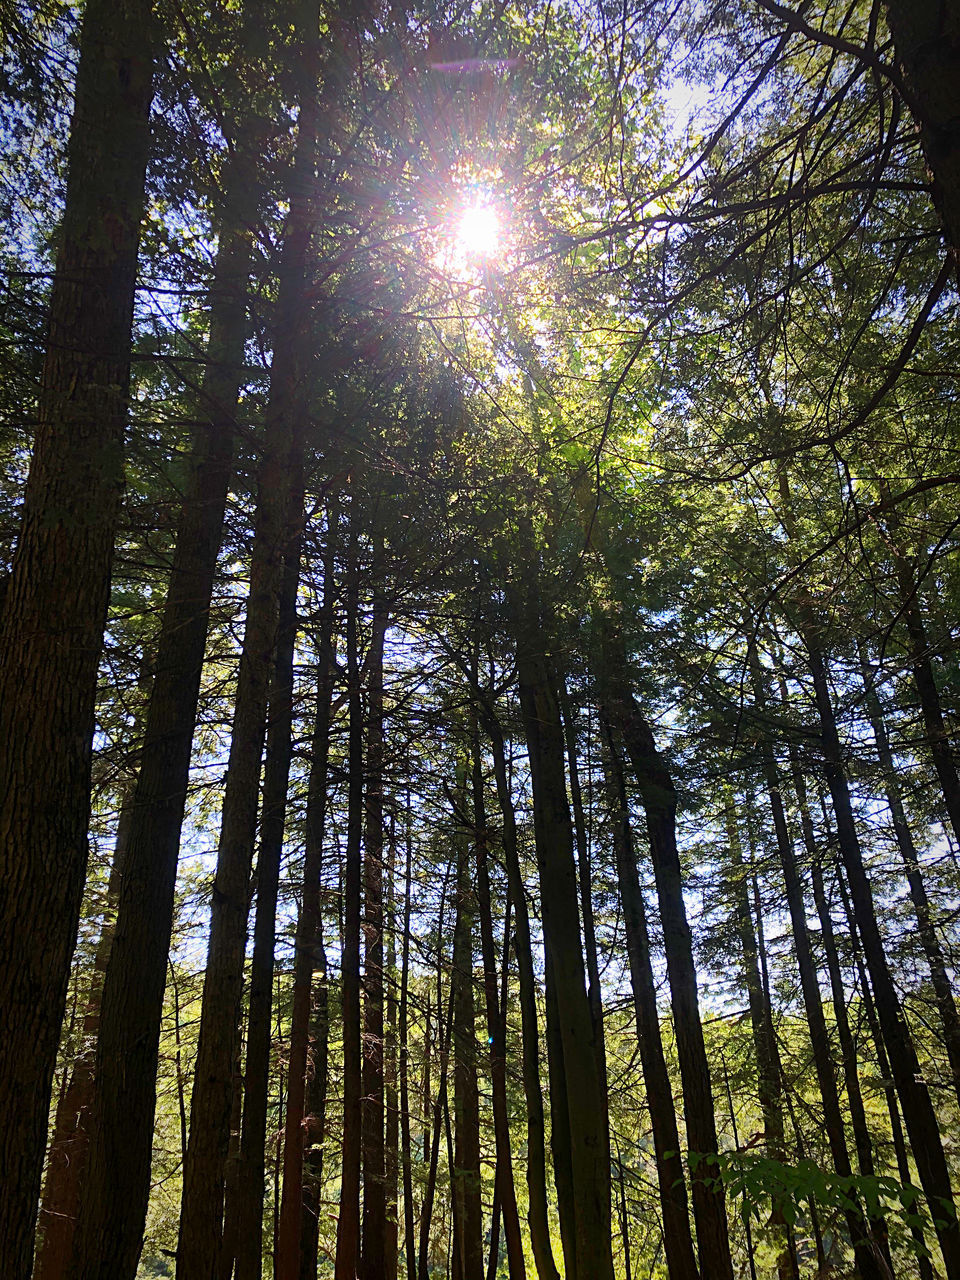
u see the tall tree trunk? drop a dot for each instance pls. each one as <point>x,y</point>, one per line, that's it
<point>505,1190</point>
<point>125,1087</point>
<point>256,1080</point>
<point>537,1216</point>
<point>55,602</point>
<point>918,654</point>
<point>348,1223</point>
<point>659,798</point>
<point>277,526</point>
<point>390,1071</point>
<point>586,899</point>
<point>374,1226</point>
<point>309,954</point>
<point>761,1026</point>
<point>924,1267</point>
<point>406,1153</point>
<point>926,36</point>
<point>848,1052</point>
<point>67,1158</point>
<point>433,1157</point>
<point>465,1174</point>
<point>868,1261</point>
<point>918,1113</point>
<point>677,1240</point>
<point>942,986</point>
<point>561,926</point>
<point>315,1114</point>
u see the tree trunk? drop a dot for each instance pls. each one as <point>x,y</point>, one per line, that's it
<point>390,1071</point>
<point>677,1240</point>
<point>465,1174</point>
<point>125,1089</point>
<point>924,1268</point>
<point>406,1154</point>
<point>505,1190</point>
<point>561,926</point>
<point>659,799</point>
<point>918,1113</point>
<point>537,1216</point>
<point>768,1066</point>
<point>867,1259</point>
<point>256,1081</point>
<point>348,1224</point>
<point>926,36</point>
<point>309,954</point>
<point>374,1227</point>
<point>942,987</point>
<point>55,602</point>
<point>68,1150</point>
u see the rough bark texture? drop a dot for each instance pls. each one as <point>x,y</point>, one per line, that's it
<point>374,1224</point>
<point>348,1223</point>
<point>659,799</point>
<point>867,1259</point>
<point>506,1195</point>
<point>918,1113</point>
<point>537,1216</point>
<point>590,1166</point>
<point>276,526</point>
<point>256,1079</point>
<point>926,35</point>
<point>309,954</point>
<point>465,1173</point>
<point>677,1240</point>
<point>55,602</point>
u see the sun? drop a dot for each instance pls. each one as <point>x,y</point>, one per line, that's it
<point>478,231</point>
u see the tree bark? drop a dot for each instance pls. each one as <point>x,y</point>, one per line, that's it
<point>465,1174</point>
<point>761,1026</point>
<point>125,1096</point>
<point>253,1131</point>
<point>926,35</point>
<point>55,601</point>
<point>867,1259</point>
<point>659,798</point>
<point>537,1216</point>
<point>505,1192</point>
<point>374,1225</point>
<point>918,1113</point>
<point>561,925</point>
<point>348,1224</point>
<point>677,1240</point>
<point>942,986</point>
<point>309,954</point>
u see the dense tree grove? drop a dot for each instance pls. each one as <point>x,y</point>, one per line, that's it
<point>479,688</point>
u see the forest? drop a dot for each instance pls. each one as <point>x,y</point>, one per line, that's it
<point>479,686</point>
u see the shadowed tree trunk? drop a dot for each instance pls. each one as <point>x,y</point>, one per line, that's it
<point>256,1080</point>
<point>868,1261</point>
<point>677,1240</point>
<point>590,1167</point>
<point>465,1174</point>
<point>348,1223</point>
<point>309,957</point>
<point>68,1149</point>
<point>374,1225</point>
<point>768,1067</point>
<point>659,798</point>
<point>505,1191</point>
<point>406,1154</point>
<point>537,1217</point>
<point>942,987</point>
<point>55,600</point>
